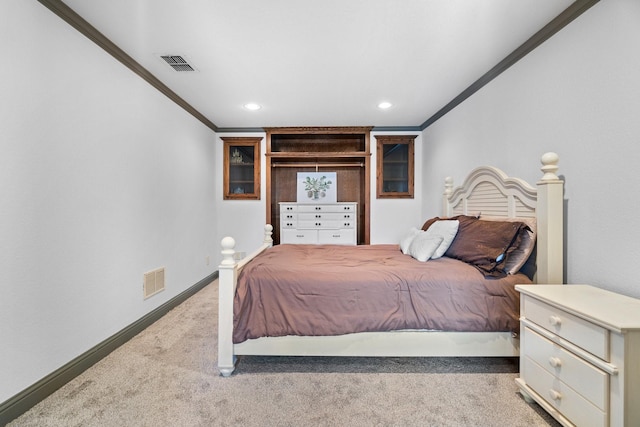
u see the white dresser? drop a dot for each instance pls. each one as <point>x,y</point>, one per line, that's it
<point>319,223</point>
<point>580,354</point>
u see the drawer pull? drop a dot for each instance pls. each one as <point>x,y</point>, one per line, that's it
<point>555,320</point>
<point>556,362</point>
<point>555,395</point>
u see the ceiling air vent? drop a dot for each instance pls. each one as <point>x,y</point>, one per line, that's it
<point>177,62</point>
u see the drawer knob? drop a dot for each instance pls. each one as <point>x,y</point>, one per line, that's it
<point>555,320</point>
<point>555,362</point>
<point>555,395</point>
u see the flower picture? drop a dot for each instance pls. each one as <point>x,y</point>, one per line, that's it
<point>317,187</point>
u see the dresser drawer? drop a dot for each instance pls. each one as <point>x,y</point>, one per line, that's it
<point>580,332</point>
<point>288,223</point>
<point>319,216</point>
<point>337,237</point>
<point>298,236</point>
<point>327,208</point>
<point>334,216</point>
<point>589,381</point>
<point>288,216</point>
<point>319,223</point>
<point>562,397</point>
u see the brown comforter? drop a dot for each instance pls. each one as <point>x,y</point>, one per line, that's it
<point>334,290</point>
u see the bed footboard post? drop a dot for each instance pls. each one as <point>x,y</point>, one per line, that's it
<point>228,271</point>
<point>268,231</point>
<point>550,213</point>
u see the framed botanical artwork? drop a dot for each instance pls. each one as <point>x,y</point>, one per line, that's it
<point>317,187</point>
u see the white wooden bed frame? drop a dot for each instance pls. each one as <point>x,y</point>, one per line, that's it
<point>486,190</point>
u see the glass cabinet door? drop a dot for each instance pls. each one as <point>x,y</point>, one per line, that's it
<point>241,168</point>
<point>395,163</point>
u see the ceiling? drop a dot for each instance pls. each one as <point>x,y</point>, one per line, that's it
<point>319,63</point>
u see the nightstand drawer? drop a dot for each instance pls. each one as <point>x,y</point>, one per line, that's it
<point>562,397</point>
<point>584,378</point>
<point>580,332</point>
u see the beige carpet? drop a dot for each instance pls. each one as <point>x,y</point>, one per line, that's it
<point>167,376</point>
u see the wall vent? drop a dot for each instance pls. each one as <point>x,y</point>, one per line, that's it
<point>153,282</point>
<point>177,62</point>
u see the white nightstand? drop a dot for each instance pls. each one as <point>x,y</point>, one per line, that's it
<point>580,354</point>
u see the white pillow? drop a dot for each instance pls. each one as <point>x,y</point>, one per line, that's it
<point>406,240</point>
<point>423,246</point>
<point>447,229</point>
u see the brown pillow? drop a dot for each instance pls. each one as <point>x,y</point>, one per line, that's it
<point>485,244</point>
<point>521,255</point>
<point>430,221</point>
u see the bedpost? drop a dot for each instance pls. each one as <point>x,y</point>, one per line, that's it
<point>227,272</point>
<point>268,231</point>
<point>550,213</point>
<point>448,189</point>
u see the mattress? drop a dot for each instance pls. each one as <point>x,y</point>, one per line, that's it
<point>315,290</point>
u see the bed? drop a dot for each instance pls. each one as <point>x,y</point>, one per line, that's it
<point>264,309</point>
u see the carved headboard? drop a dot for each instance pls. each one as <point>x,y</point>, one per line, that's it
<point>489,191</point>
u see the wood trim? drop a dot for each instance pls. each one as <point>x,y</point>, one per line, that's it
<point>28,398</point>
<point>76,21</point>
<point>257,160</point>
<point>367,188</point>
<point>306,130</point>
<point>559,22</point>
<point>318,155</point>
<point>318,130</point>
<point>408,140</point>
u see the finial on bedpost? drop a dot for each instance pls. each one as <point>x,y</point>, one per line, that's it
<point>228,243</point>
<point>549,166</point>
<point>448,189</point>
<point>448,185</point>
<point>268,231</point>
<point>550,218</point>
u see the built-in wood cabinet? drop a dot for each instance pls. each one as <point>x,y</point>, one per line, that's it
<point>343,150</point>
<point>395,166</point>
<point>241,168</point>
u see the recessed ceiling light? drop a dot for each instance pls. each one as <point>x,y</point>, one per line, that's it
<point>384,105</point>
<point>252,106</point>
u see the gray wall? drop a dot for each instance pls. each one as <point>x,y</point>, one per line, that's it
<point>102,178</point>
<point>578,95</point>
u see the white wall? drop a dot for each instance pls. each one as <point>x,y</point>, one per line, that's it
<point>391,218</point>
<point>244,220</point>
<point>102,178</point>
<point>578,95</point>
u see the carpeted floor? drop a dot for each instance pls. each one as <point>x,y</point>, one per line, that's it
<point>167,376</point>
